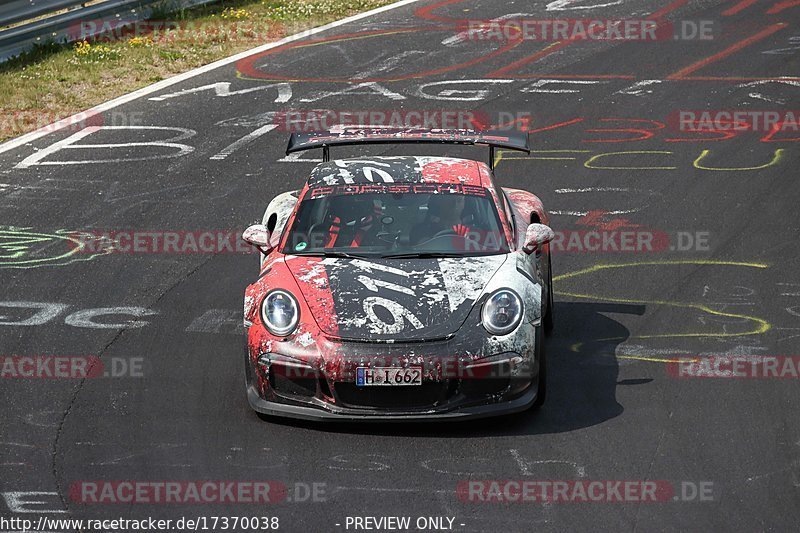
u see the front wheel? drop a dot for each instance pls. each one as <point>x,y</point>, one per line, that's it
<point>542,392</point>
<point>548,321</point>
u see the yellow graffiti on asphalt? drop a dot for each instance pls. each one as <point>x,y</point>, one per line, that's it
<point>19,247</point>
<point>592,162</point>
<point>776,158</point>
<point>760,325</point>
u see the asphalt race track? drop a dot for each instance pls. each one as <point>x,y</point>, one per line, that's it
<point>207,155</point>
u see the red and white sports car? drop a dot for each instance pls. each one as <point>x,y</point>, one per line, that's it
<point>399,288</point>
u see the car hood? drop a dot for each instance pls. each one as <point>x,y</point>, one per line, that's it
<point>392,299</point>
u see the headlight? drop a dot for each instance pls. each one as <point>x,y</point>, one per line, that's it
<point>279,313</point>
<point>502,312</point>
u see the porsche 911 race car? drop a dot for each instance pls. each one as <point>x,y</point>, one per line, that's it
<point>399,288</point>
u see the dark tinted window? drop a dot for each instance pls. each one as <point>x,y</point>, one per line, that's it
<point>379,220</point>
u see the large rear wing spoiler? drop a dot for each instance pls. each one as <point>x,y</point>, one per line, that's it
<point>511,140</point>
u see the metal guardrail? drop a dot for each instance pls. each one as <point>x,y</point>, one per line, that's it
<point>66,27</point>
<point>21,10</point>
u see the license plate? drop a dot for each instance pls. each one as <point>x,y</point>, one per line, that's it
<point>388,377</point>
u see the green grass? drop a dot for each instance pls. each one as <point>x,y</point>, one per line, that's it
<point>54,81</point>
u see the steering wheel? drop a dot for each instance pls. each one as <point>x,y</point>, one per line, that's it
<point>393,237</point>
<point>446,231</point>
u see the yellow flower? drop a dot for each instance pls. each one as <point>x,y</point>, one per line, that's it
<point>140,41</point>
<point>83,48</point>
<point>230,13</point>
<point>96,52</point>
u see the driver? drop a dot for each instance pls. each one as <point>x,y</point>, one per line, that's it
<point>445,212</point>
<point>351,222</point>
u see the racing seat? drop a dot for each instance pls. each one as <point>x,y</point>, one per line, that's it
<point>350,222</point>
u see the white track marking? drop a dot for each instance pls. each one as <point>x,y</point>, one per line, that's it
<point>637,89</point>
<point>593,189</point>
<point>150,89</point>
<point>792,49</point>
<point>368,88</point>
<point>567,5</point>
<point>602,189</point>
<point>538,86</point>
<point>69,143</point>
<point>223,89</point>
<point>524,464</point>
<point>793,83</point>
<point>297,157</point>
<point>45,313</point>
<point>247,139</point>
<point>85,318</point>
<point>795,293</point>
<point>759,96</point>
<point>477,94</point>
<point>31,502</point>
<point>584,213</point>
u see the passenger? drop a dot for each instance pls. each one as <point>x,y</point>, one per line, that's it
<point>445,213</point>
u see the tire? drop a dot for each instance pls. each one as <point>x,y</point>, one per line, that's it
<point>541,396</point>
<point>548,321</point>
<point>248,370</point>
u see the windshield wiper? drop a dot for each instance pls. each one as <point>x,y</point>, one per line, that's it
<point>341,255</point>
<point>421,255</point>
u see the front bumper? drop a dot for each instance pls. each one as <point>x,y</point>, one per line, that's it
<point>502,378</point>
<point>331,413</point>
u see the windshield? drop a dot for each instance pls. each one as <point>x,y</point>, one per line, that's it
<point>397,220</point>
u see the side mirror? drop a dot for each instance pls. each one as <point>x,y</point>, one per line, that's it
<point>537,235</point>
<point>258,235</point>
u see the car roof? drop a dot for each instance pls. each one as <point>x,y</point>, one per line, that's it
<point>400,169</point>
